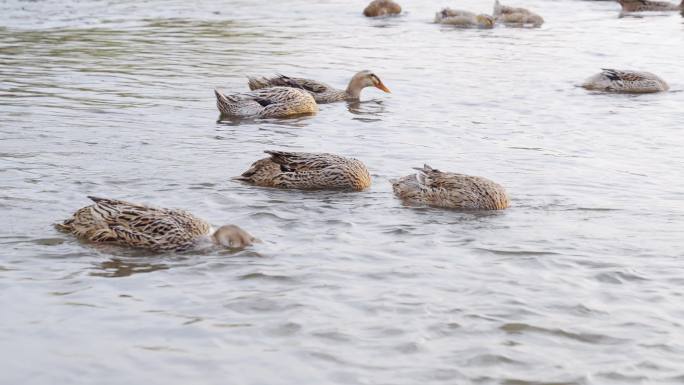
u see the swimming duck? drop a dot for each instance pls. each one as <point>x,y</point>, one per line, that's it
<point>274,102</point>
<point>514,16</point>
<point>634,82</point>
<point>382,8</point>
<point>649,6</point>
<point>308,171</point>
<point>157,229</point>
<point>450,190</point>
<point>464,18</point>
<point>322,92</point>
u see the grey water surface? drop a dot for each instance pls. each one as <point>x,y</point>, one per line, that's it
<point>581,281</point>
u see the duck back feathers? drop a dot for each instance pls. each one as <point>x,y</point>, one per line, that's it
<point>128,224</point>
<point>620,81</point>
<point>301,170</point>
<point>450,190</point>
<point>273,102</point>
<point>649,6</point>
<point>321,92</point>
<point>381,8</point>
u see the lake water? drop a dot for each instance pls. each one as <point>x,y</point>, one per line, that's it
<point>579,282</point>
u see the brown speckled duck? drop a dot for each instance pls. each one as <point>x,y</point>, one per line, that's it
<point>464,19</point>
<point>629,6</point>
<point>307,171</point>
<point>513,16</point>
<point>274,102</point>
<point>630,82</point>
<point>450,190</point>
<point>322,92</point>
<point>382,8</point>
<point>157,229</point>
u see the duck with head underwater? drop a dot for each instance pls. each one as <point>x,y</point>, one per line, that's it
<point>156,229</point>
<point>379,8</point>
<point>634,6</point>
<point>464,19</point>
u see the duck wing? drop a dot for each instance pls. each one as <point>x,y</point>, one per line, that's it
<point>433,179</point>
<point>626,76</point>
<point>309,85</point>
<point>303,161</point>
<point>142,226</point>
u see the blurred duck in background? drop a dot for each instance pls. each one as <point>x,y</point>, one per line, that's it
<point>516,17</point>
<point>382,8</point>
<point>464,19</point>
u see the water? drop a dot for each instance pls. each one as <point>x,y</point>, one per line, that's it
<point>579,282</point>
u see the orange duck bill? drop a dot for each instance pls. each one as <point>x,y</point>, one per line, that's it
<point>383,87</point>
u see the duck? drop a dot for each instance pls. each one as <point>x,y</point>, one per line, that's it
<point>321,92</point>
<point>464,19</point>
<point>382,8</point>
<point>307,171</point>
<point>629,6</point>
<point>514,16</point>
<point>157,229</point>
<point>436,188</point>
<point>274,102</point>
<point>619,81</point>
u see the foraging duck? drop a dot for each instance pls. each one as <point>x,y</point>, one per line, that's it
<point>514,16</point>
<point>633,82</point>
<point>322,92</point>
<point>157,229</point>
<point>307,171</point>
<point>382,8</point>
<point>649,6</point>
<point>450,190</point>
<point>464,19</point>
<point>274,102</point>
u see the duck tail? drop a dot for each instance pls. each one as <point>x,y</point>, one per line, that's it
<point>225,103</point>
<point>258,83</point>
<point>497,8</point>
<point>64,226</point>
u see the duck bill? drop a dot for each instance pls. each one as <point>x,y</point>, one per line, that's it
<point>382,87</point>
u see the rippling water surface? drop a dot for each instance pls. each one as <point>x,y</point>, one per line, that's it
<point>579,282</point>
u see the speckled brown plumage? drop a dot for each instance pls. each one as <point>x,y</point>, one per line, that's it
<point>274,102</point>
<point>321,92</point>
<point>515,16</point>
<point>619,81</point>
<point>450,190</point>
<point>128,224</point>
<point>382,8</point>
<point>649,6</point>
<point>303,170</point>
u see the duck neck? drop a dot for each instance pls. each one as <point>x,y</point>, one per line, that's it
<point>354,88</point>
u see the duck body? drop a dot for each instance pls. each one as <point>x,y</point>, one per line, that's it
<point>464,19</point>
<point>378,8</point>
<point>308,171</point>
<point>321,92</point>
<point>450,190</point>
<point>618,81</point>
<point>633,6</point>
<point>274,102</point>
<point>133,225</point>
<point>514,16</point>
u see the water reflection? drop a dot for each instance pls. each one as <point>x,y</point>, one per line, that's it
<point>119,267</point>
<point>367,107</point>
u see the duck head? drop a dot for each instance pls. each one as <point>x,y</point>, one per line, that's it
<point>362,80</point>
<point>232,236</point>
